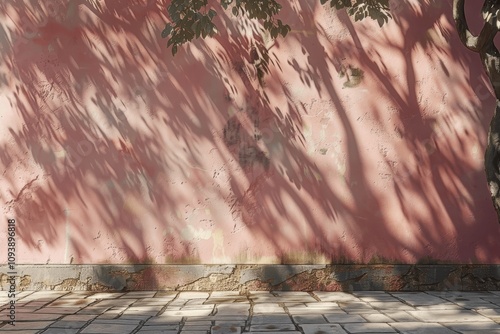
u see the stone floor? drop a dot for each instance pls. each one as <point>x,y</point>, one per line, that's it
<point>52,312</point>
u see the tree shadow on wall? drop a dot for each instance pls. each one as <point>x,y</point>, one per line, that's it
<point>440,193</point>
<point>128,152</point>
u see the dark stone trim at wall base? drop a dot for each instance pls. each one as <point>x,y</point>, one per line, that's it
<point>254,277</point>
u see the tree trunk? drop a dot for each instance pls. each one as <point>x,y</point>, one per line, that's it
<point>492,159</point>
<point>490,57</point>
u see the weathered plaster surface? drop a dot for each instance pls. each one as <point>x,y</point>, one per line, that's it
<point>246,278</point>
<point>363,145</point>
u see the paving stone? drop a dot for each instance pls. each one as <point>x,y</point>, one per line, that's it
<point>206,307</point>
<point>138,294</point>
<point>344,318</point>
<point>225,294</point>
<point>475,304</point>
<point>45,295</point>
<point>490,331</point>
<point>146,310</point>
<point>323,329</point>
<point>472,326</point>
<point>492,312</point>
<point>138,317</point>
<point>197,322</point>
<point>113,313</point>
<point>78,295</point>
<point>187,313</point>
<point>193,295</point>
<point>106,295</point>
<point>61,331</point>
<point>93,310</point>
<point>443,306</point>
<point>493,299</point>
<point>163,320</point>
<point>375,296</point>
<point>464,294</point>
<point>268,308</point>
<point>117,321</point>
<point>68,324</point>
<point>265,299</point>
<point>420,328</point>
<point>335,296</point>
<point>309,319</point>
<point>22,331</point>
<point>113,303</point>
<point>151,302</point>
<point>298,310</point>
<point>173,308</point>
<point>225,329</point>
<point>287,332</point>
<point>293,296</point>
<point>323,305</point>
<point>355,306</point>
<point>448,316</point>
<point>195,302</point>
<point>239,323</point>
<point>229,318</point>
<point>108,329</point>
<point>418,299</point>
<point>145,330</point>
<point>67,302</point>
<point>376,317</point>
<point>233,300</point>
<point>28,325</point>
<point>25,309</point>
<point>59,310</point>
<point>272,327</point>
<point>35,303</point>
<point>195,328</point>
<point>79,317</point>
<point>400,316</point>
<point>369,328</point>
<point>232,309</point>
<point>20,316</point>
<point>271,319</point>
<point>394,305</point>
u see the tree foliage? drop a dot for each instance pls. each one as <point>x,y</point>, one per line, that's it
<point>190,19</point>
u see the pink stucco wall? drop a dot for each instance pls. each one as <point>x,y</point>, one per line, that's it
<point>113,151</point>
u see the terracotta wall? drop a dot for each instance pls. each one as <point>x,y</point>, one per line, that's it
<point>361,144</point>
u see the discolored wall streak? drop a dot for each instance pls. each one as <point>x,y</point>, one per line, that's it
<point>362,145</point>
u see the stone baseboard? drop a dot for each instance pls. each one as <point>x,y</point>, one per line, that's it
<point>254,277</point>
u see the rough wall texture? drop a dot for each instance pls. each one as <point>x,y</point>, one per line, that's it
<point>245,278</point>
<point>361,145</point>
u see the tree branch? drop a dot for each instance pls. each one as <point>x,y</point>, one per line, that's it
<point>486,36</point>
<point>490,15</point>
<point>467,38</point>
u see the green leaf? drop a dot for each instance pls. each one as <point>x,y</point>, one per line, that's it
<point>166,31</point>
<point>174,50</point>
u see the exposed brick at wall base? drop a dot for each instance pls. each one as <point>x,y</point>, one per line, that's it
<point>255,277</point>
